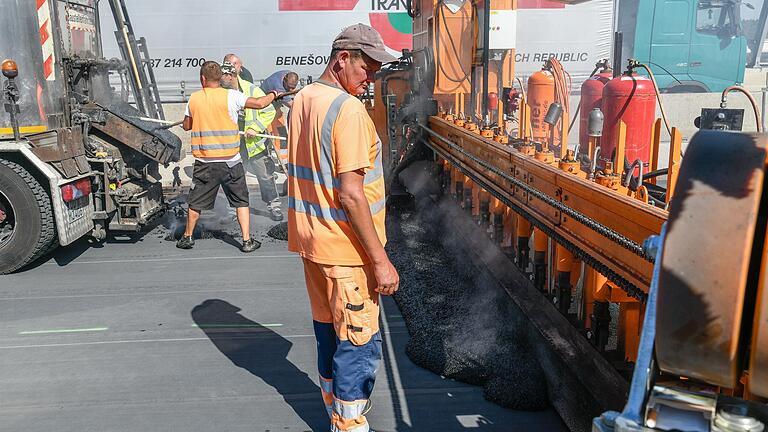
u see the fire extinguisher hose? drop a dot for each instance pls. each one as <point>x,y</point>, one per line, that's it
<point>658,96</point>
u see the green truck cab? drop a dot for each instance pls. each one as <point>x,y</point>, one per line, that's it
<point>691,45</point>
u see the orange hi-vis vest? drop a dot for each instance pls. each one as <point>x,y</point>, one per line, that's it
<point>330,132</point>
<point>214,133</point>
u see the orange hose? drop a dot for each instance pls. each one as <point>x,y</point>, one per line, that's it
<point>562,83</point>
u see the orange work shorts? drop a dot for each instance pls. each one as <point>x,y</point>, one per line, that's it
<point>346,297</point>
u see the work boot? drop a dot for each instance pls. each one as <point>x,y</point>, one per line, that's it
<point>274,211</point>
<point>185,242</point>
<point>250,245</point>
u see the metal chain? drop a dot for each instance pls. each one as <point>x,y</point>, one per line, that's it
<point>601,229</point>
<point>631,289</point>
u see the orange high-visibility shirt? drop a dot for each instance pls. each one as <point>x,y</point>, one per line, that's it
<point>214,133</point>
<point>330,133</point>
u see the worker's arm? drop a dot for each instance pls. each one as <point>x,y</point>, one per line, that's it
<point>264,101</point>
<point>187,123</point>
<point>355,204</point>
<point>261,102</point>
<point>257,121</point>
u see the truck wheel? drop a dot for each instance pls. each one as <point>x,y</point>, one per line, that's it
<point>27,228</point>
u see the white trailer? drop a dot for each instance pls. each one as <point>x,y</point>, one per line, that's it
<point>271,35</point>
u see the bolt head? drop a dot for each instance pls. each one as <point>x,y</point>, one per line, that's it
<point>652,246</point>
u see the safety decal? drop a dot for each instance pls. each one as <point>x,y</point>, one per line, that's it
<point>46,39</point>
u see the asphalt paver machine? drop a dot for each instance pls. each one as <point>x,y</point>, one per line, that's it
<point>670,261</point>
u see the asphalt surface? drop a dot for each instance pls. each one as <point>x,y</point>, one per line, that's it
<point>136,335</point>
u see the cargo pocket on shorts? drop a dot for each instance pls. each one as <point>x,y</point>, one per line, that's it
<point>358,310</point>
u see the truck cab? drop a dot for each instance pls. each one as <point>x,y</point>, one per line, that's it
<point>691,45</point>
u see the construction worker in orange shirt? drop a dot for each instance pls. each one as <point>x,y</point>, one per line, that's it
<point>212,115</point>
<point>336,222</point>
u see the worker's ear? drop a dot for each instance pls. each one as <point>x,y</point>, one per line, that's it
<point>343,57</point>
<point>202,80</point>
<point>337,62</point>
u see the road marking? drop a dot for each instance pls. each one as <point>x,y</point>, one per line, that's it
<point>114,342</point>
<point>394,369</point>
<point>210,326</point>
<point>150,293</point>
<point>133,341</point>
<point>35,332</point>
<point>250,257</point>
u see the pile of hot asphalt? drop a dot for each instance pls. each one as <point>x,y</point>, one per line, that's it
<point>461,324</point>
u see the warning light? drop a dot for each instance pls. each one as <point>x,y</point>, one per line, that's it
<point>10,70</point>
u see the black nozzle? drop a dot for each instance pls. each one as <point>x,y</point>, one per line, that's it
<point>554,113</point>
<point>595,123</point>
<point>603,65</point>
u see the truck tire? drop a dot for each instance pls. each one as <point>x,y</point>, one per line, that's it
<point>33,233</point>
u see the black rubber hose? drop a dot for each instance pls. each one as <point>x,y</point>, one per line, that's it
<point>657,173</point>
<point>635,182</point>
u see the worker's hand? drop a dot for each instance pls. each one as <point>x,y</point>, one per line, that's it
<point>387,279</point>
<point>282,95</point>
<point>250,133</point>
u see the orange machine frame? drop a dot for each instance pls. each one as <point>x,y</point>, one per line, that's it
<point>465,149</point>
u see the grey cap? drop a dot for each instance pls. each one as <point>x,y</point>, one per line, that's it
<point>366,39</point>
<point>228,68</point>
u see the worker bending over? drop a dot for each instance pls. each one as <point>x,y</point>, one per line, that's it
<point>282,81</point>
<point>336,222</point>
<point>211,115</point>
